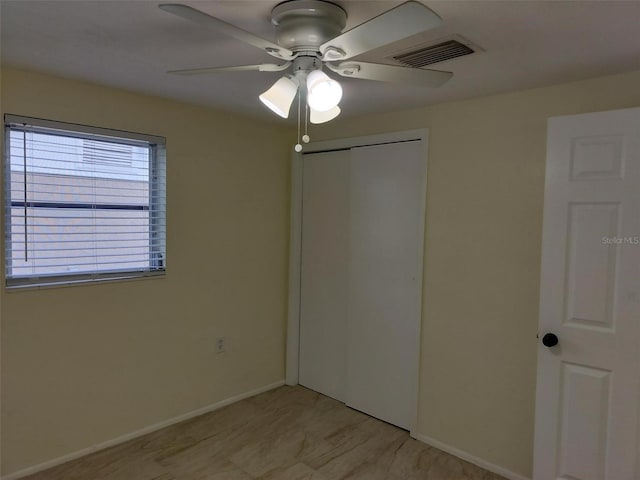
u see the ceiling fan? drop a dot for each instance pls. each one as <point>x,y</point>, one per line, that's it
<point>309,37</point>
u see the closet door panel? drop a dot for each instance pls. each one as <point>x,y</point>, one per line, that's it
<point>386,231</point>
<point>324,275</point>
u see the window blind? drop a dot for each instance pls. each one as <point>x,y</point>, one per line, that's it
<point>82,203</point>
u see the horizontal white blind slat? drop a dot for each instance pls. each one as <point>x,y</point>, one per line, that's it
<point>79,245</point>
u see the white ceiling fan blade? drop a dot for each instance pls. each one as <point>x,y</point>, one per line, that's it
<point>265,67</point>
<point>206,20</point>
<point>396,24</point>
<point>389,73</point>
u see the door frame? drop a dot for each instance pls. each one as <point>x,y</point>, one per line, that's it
<point>295,241</point>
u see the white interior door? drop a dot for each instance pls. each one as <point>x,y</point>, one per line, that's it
<point>385,280</point>
<point>361,277</point>
<point>587,393</point>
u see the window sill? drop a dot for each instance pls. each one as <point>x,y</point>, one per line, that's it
<point>125,277</point>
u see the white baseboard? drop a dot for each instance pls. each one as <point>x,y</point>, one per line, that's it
<point>138,433</point>
<point>469,458</point>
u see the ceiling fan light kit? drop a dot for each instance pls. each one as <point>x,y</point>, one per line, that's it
<point>323,93</point>
<point>317,117</point>
<point>280,96</point>
<point>309,35</point>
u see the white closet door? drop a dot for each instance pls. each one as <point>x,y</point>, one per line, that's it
<point>386,231</point>
<point>361,277</point>
<point>323,289</point>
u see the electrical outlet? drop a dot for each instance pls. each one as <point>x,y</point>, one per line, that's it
<point>221,345</point>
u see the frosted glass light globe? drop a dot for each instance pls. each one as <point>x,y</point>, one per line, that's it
<point>322,117</point>
<point>280,96</point>
<point>324,93</point>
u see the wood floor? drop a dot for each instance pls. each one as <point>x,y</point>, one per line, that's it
<point>290,433</point>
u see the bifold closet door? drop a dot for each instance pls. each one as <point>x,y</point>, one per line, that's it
<point>323,282</point>
<point>361,277</point>
<point>386,231</point>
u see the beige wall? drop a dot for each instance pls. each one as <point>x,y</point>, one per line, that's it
<point>484,217</point>
<point>85,364</point>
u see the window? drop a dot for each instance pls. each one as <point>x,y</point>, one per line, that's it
<point>81,203</point>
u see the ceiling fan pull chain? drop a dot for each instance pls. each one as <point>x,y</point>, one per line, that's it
<point>298,147</point>
<point>305,137</point>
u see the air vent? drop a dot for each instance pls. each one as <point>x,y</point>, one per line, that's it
<point>434,54</point>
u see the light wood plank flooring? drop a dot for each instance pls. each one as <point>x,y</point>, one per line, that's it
<point>290,433</point>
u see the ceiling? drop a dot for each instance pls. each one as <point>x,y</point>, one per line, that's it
<point>131,44</point>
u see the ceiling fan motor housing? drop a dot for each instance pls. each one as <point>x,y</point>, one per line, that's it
<point>307,24</point>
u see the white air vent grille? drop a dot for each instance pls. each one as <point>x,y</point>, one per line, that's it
<point>434,54</point>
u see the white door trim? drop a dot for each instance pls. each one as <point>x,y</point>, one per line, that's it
<point>295,250</point>
<point>295,239</point>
